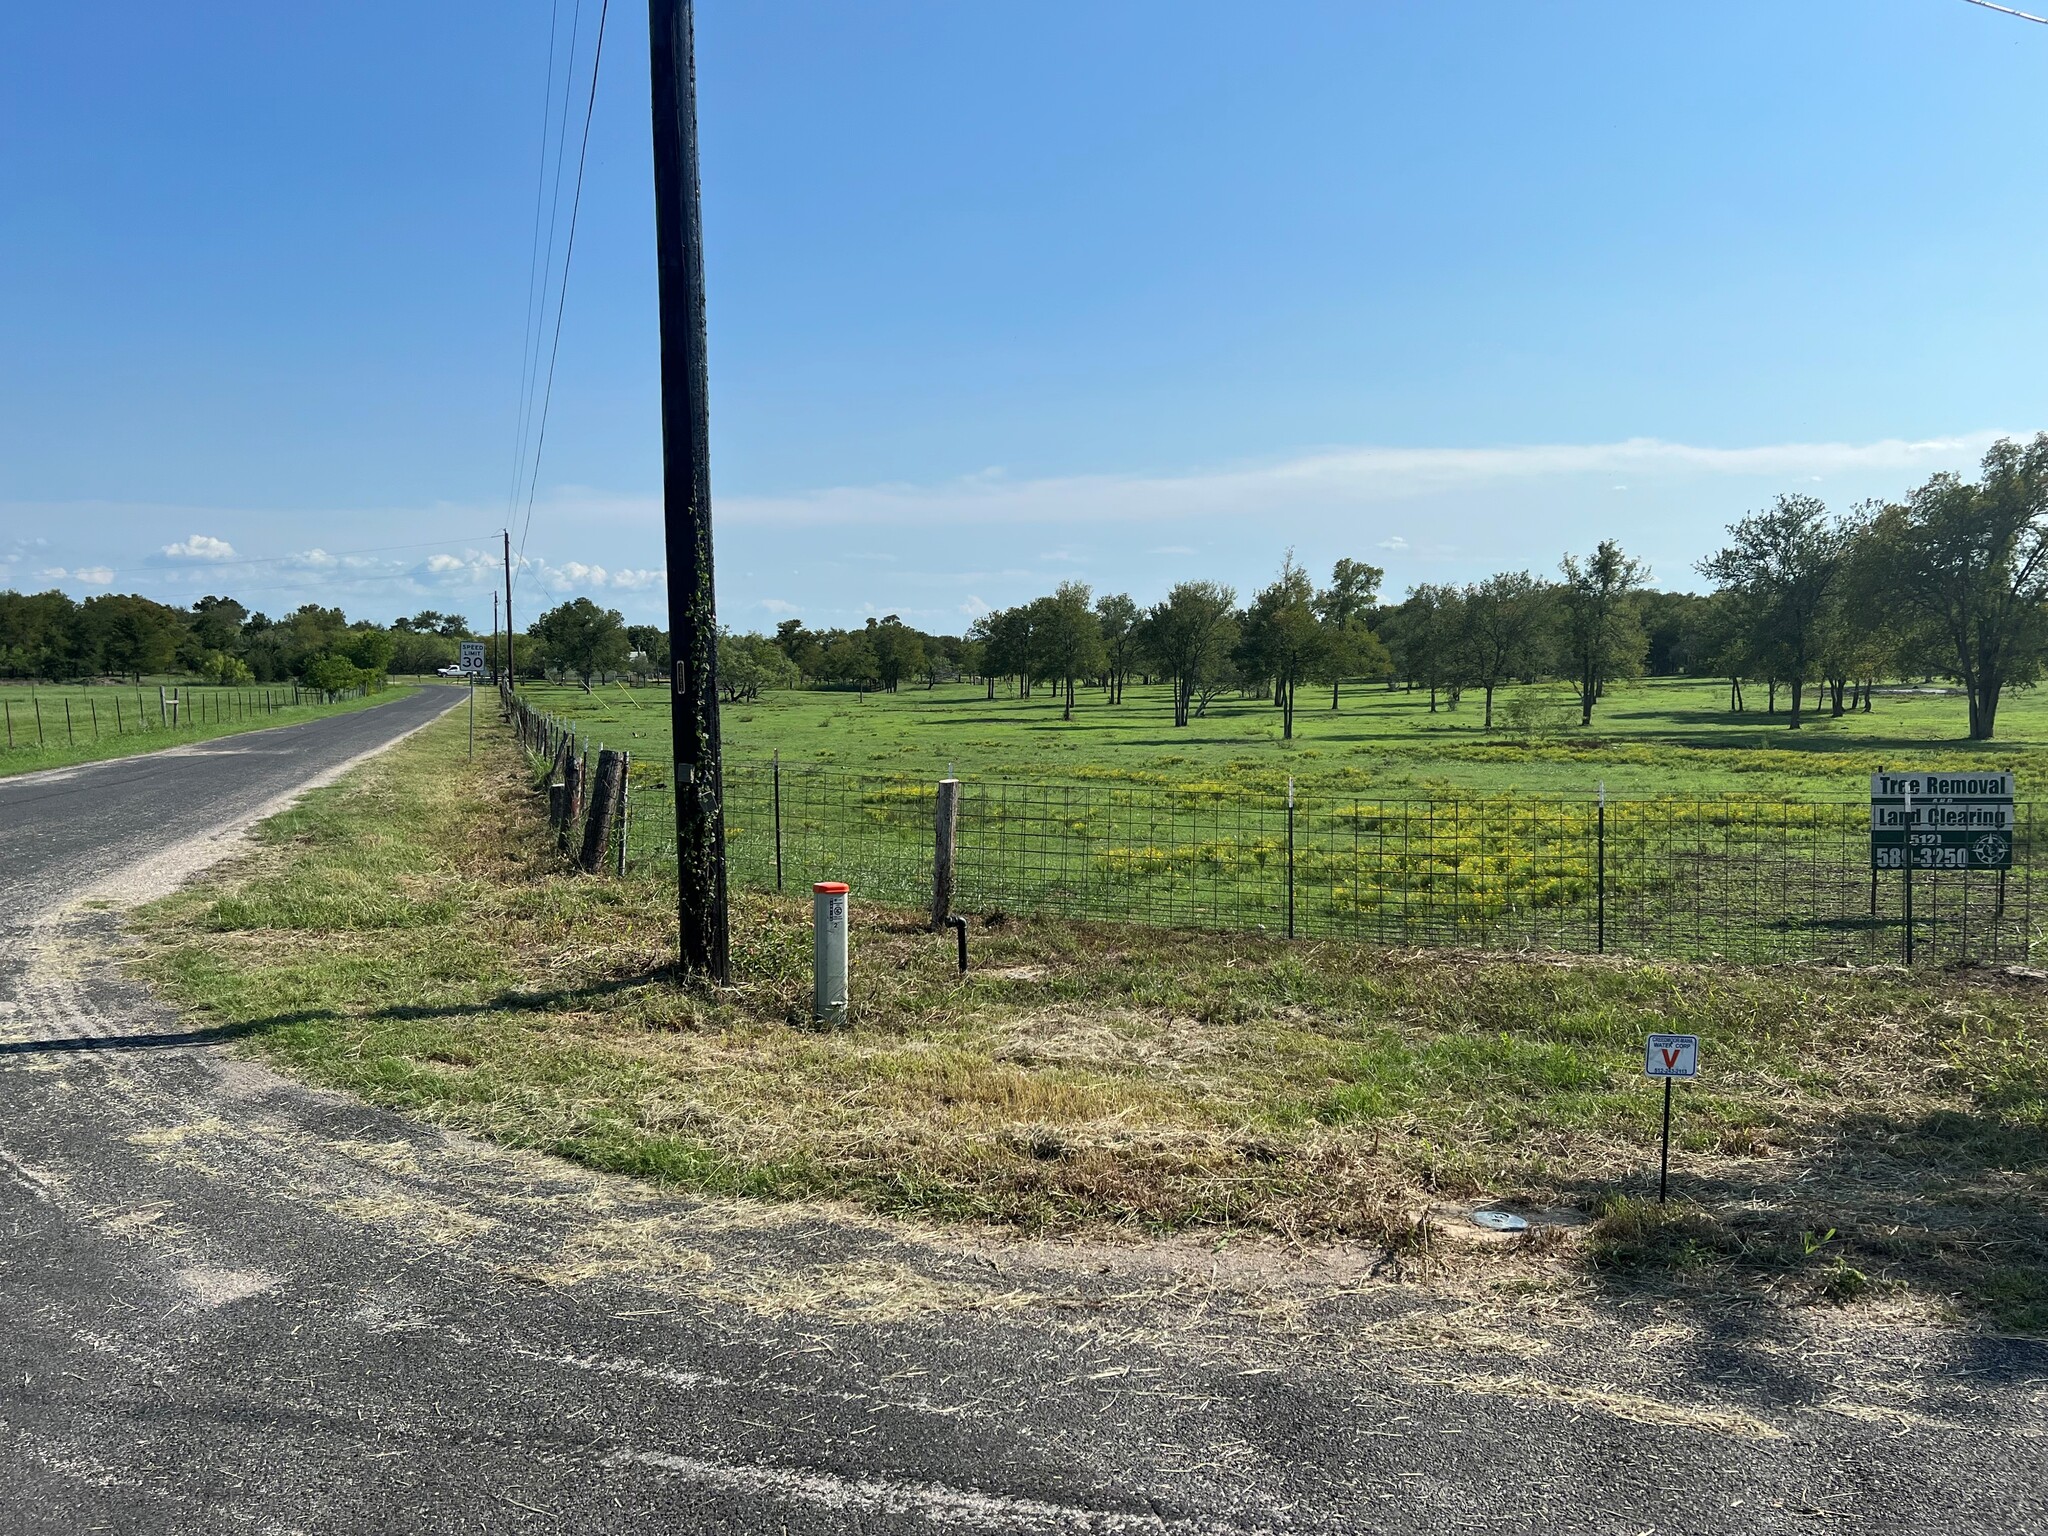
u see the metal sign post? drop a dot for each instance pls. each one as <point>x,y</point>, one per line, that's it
<point>1670,1057</point>
<point>472,665</point>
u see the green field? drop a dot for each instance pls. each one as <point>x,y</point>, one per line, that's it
<point>1721,836</point>
<point>1650,738</point>
<point>60,725</point>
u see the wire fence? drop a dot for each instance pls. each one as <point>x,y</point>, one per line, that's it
<point>1677,877</point>
<point>36,722</point>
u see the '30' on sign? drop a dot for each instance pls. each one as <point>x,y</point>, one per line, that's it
<point>1672,1056</point>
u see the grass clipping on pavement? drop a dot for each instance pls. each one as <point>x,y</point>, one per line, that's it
<point>410,935</point>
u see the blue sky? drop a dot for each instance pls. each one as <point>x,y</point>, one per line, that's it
<point>1003,294</point>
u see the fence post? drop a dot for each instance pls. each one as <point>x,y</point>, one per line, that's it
<point>948,824</point>
<point>604,799</point>
<point>625,808</point>
<point>36,700</point>
<point>1600,874</point>
<point>7,705</point>
<point>776,766</point>
<point>1290,855</point>
<point>70,740</point>
<point>1906,868</point>
<point>572,793</point>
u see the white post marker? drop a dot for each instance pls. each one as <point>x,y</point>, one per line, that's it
<point>1670,1057</point>
<point>828,952</point>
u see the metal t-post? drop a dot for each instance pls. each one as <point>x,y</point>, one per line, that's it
<point>1600,876</point>
<point>1664,1166</point>
<point>1290,853</point>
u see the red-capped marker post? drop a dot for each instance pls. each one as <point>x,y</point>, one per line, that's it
<point>828,952</point>
<point>1670,1057</point>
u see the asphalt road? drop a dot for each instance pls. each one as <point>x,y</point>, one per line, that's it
<point>234,1304</point>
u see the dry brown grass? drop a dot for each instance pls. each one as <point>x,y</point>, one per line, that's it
<point>1129,1078</point>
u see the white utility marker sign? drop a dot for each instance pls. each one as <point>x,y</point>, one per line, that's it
<point>1672,1056</point>
<point>472,658</point>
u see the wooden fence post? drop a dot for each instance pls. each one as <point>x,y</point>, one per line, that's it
<point>948,825</point>
<point>604,804</point>
<point>572,794</point>
<point>625,808</point>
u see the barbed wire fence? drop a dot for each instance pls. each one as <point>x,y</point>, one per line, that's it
<point>79,717</point>
<point>1678,877</point>
<point>589,801</point>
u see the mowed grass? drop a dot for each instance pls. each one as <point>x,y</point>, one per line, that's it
<point>412,936</point>
<point>1656,737</point>
<point>67,724</point>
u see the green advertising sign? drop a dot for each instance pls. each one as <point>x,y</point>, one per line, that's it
<point>1941,820</point>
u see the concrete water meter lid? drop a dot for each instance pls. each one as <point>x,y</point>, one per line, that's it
<point>1500,1221</point>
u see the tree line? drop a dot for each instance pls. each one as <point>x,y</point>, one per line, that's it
<point>1806,605</point>
<point>50,636</point>
<point>1950,582</point>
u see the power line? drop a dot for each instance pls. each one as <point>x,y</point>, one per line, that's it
<point>2009,11</point>
<point>535,280</point>
<point>562,293</point>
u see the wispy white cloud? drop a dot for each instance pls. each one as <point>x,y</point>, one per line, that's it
<point>777,605</point>
<point>639,581</point>
<point>86,575</point>
<point>1392,545</point>
<point>1335,479</point>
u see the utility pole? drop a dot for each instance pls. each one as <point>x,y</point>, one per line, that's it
<point>511,671</point>
<point>686,496</point>
<point>498,662</point>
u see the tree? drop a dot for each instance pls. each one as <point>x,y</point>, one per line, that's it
<point>217,623</point>
<point>1972,562</point>
<point>1345,607</point>
<point>370,649</point>
<point>1188,636</point>
<point>1282,639</point>
<point>1067,638</point>
<point>1429,637</point>
<point>1118,617</point>
<point>849,658</point>
<point>41,635</point>
<point>1724,643</point>
<point>649,642</point>
<point>1005,637</point>
<point>581,638</point>
<point>749,663</point>
<point>1784,564</point>
<point>414,654</point>
<point>898,650</point>
<point>1601,635</point>
<point>1505,619</point>
<point>333,674</point>
<point>804,649</point>
<point>131,634</point>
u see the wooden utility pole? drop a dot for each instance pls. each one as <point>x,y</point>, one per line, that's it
<point>497,660</point>
<point>686,496</point>
<point>511,670</point>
